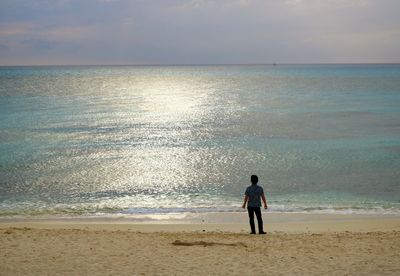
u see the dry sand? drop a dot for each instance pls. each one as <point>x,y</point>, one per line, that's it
<point>109,248</point>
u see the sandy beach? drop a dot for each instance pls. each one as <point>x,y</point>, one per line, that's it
<point>294,245</point>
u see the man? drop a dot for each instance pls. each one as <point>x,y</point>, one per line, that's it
<point>252,198</point>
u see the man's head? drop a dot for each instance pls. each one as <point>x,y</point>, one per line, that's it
<point>254,179</point>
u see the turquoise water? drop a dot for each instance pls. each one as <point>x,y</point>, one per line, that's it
<point>148,139</point>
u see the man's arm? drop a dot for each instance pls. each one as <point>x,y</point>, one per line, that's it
<point>246,198</point>
<point>264,200</point>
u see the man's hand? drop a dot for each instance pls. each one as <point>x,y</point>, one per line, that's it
<point>246,198</point>
<point>265,207</point>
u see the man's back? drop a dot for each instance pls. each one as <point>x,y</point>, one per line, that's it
<point>254,192</point>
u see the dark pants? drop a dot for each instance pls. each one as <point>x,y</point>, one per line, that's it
<point>251,211</point>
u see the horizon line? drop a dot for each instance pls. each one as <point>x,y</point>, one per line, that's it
<point>205,64</point>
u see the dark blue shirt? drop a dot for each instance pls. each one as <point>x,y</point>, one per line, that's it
<point>254,193</point>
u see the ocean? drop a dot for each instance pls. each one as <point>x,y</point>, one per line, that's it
<point>123,140</point>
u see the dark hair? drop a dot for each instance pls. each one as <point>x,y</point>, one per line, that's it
<point>254,179</point>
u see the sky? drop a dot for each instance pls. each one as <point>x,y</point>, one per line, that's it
<point>55,32</point>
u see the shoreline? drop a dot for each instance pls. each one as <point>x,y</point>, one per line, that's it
<point>236,222</point>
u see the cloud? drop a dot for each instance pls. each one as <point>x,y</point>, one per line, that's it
<point>15,29</point>
<point>328,3</point>
<point>198,31</point>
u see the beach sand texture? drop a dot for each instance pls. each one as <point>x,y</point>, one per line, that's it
<point>88,250</point>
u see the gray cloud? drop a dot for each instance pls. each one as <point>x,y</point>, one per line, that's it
<point>198,31</point>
